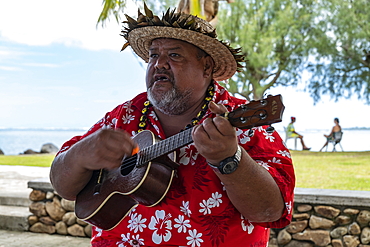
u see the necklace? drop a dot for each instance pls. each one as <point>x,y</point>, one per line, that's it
<point>193,122</point>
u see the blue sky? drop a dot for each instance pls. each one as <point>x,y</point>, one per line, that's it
<point>57,69</point>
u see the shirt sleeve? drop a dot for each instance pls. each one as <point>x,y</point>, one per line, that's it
<point>108,121</point>
<point>269,151</point>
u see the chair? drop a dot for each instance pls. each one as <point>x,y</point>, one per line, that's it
<point>290,137</point>
<point>336,140</point>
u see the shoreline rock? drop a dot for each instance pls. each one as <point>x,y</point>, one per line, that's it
<point>47,148</point>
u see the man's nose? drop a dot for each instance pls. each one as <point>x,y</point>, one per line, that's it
<point>162,62</point>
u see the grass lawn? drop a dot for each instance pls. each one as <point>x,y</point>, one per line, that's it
<point>327,170</point>
<point>43,160</point>
<point>321,170</point>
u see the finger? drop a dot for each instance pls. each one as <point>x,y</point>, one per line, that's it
<point>218,128</point>
<point>217,108</point>
<point>199,131</point>
<point>223,126</point>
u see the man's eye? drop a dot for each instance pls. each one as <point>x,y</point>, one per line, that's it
<point>153,55</point>
<point>174,55</point>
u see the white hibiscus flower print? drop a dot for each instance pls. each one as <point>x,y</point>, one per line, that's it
<point>223,186</point>
<point>136,223</point>
<point>134,241</point>
<point>263,164</point>
<point>216,199</point>
<point>188,155</point>
<point>133,133</point>
<point>152,114</point>
<point>194,238</point>
<point>223,102</point>
<point>247,225</point>
<point>242,136</point>
<point>127,105</point>
<point>100,231</point>
<point>161,225</point>
<point>156,128</point>
<point>205,206</point>
<point>98,234</point>
<point>182,224</point>
<point>100,122</point>
<point>127,118</point>
<point>268,136</point>
<point>288,206</point>
<point>284,153</point>
<point>275,160</point>
<point>185,208</point>
<point>221,91</point>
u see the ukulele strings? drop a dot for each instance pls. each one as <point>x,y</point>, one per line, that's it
<point>158,149</point>
<point>129,162</point>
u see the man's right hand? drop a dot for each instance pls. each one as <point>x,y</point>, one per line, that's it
<point>103,149</point>
<point>71,170</point>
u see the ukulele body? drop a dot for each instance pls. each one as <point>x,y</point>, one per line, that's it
<point>110,195</point>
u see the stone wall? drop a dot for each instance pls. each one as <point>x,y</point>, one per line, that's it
<point>328,218</point>
<point>334,218</point>
<point>52,214</point>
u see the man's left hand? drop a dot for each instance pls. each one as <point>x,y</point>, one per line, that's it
<point>215,138</point>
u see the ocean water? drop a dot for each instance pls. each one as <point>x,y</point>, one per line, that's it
<point>16,141</point>
<point>352,140</point>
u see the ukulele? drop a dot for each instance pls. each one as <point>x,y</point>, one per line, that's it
<point>145,177</point>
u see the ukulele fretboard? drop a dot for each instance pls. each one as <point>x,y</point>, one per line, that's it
<point>165,146</point>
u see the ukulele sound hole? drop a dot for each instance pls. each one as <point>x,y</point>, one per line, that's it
<point>128,165</point>
<point>126,170</point>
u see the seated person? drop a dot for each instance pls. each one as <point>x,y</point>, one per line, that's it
<point>331,136</point>
<point>292,133</point>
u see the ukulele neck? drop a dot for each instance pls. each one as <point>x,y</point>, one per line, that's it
<point>165,146</point>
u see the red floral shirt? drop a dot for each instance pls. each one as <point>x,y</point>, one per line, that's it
<point>196,211</point>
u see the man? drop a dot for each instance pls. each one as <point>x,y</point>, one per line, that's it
<point>206,205</point>
<point>292,133</point>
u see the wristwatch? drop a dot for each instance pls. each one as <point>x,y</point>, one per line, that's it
<point>230,164</point>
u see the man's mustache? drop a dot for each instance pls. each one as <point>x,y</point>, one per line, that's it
<point>161,72</point>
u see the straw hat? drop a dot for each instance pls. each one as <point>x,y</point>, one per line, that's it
<point>141,32</point>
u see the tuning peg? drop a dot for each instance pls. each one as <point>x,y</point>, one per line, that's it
<point>263,102</point>
<point>270,129</point>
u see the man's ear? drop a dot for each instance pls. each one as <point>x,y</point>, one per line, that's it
<point>208,66</point>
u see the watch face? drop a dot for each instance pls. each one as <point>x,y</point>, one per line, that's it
<point>229,167</point>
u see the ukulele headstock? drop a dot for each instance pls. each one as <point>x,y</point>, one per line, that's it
<point>258,112</point>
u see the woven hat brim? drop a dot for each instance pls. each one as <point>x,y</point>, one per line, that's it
<point>140,40</point>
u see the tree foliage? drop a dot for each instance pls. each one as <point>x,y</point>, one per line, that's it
<point>116,8</point>
<point>275,37</point>
<point>342,65</point>
<point>111,7</point>
<point>282,39</point>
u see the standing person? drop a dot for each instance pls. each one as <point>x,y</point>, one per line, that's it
<point>334,131</point>
<point>206,205</point>
<point>292,133</point>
